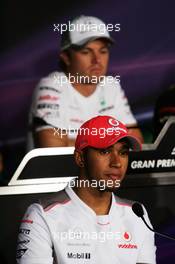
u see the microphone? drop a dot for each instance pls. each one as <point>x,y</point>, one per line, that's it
<point>138,210</point>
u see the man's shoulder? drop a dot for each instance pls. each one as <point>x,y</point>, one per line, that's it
<point>126,204</point>
<point>53,82</point>
<point>124,201</point>
<point>52,199</point>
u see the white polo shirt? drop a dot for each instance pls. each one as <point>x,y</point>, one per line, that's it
<point>56,103</point>
<point>63,229</point>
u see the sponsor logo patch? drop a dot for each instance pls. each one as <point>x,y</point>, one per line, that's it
<point>128,246</point>
<point>48,106</point>
<point>28,221</point>
<point>126,236</point>
<point>23,242</point>
<point>49,88</point>
<point>20,252</point>
<point>24,231</point>
<point>72,255</point>
<point>48,97</point>
<point>113,122</point>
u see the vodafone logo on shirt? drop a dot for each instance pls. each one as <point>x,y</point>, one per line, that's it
<point>126,236</point>
<point>127,246</point>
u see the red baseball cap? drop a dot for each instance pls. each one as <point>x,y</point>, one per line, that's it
<point>102,132</point>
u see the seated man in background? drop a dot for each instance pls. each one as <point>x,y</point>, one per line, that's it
<point>86,222</point>
<point>64,100</point>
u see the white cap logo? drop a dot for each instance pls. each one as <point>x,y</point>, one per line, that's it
<point>113,122</point>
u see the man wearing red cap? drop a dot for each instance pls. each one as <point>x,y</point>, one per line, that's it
<point>87,222</point>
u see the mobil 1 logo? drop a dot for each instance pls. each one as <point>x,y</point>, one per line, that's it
<point>77,255</point>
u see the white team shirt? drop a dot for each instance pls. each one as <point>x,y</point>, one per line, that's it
<point>60,105</point>
<point>63,229</point>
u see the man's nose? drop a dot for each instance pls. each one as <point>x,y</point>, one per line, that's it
<point>115,159</point>
<point>95,58</point>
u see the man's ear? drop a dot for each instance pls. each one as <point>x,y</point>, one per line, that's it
<point>65,58</point>
<point>79,159</point>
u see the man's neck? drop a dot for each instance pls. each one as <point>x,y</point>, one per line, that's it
<point>85,89</point>
<point>98,201</point>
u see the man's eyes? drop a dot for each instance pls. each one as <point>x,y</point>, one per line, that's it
<point>105,151</point>
<point>85,51</point>
<point>124,152</point>
<point>102,51</point>
<point>121,152</point>
<point>105,50</point>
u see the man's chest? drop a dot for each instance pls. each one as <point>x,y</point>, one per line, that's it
<point>82,240</point>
